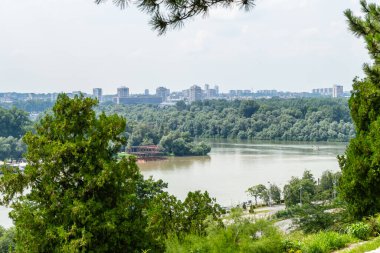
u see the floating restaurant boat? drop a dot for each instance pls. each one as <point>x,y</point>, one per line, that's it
<point>146,153</point>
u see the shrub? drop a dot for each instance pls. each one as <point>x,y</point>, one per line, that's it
<point>241,236</point>
<point>291,246</point>
<point>313,218</point>
<point>324,242</point>
<point>359,230</point>
<point>374,224</point>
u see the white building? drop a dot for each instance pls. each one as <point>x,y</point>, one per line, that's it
<point>337,91</point>
<point>195,93</point>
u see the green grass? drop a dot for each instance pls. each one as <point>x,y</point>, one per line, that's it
<point>367,246</point>
<point>322,242</point>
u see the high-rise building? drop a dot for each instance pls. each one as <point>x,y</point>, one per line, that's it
<point>163,92</point>
<point>337,91</point>
<point>123,92</point>
<point>216,88</point>
<point>195,93</point>
<point>97,93</point>
<point>146,92</point>
<point>207,91</point>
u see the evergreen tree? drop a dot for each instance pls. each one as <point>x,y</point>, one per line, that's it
<point>74,195</point>
<point>359,184</point>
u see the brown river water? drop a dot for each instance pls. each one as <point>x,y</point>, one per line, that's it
<point>233,166</point>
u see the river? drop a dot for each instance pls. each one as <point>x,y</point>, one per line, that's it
<point>234,166</point>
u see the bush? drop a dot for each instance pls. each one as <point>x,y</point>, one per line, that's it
<point>241,236</point>
<point>325,242</point>
<point>290,246</point>
<point>374,224</point>
<point>313,218</point>
<point>359,230</point>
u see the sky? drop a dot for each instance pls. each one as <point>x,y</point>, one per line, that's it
<point>70,45</point>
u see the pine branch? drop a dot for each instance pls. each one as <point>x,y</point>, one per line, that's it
<point>171,14</point>
<point>356,24</point>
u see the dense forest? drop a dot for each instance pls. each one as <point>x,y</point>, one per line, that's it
<point>175,127</point>
<point>34,106</point>
<point>317,119</point>
<point>13,125</point>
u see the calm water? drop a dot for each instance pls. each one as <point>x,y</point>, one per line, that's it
<point>232,167</point>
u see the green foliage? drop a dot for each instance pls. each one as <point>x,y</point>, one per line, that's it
<point>360,164</point>
<point>300,190</point>
<point>172,14</point>
<point>168,216</point>
<point>197,207</point>
<point>11,148</point>
<point>74,194</point>
<point>165,216</point>
<point>241,236</point>
<point>13,122</point>
<point>275,119</point>
<point>324,242</point>
<point>181,144</point>
<point>275,194</point>
<point>248,108</point>
<point>272,194</point>
<point>258,191</point>
<point>7,242</point>
<point>327,188</point>
<point>374,224</point>
<point>33,105</point>
<point>359,230</point>
<point>312,218</point>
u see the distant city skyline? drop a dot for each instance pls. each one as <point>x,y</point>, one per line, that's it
<point>287,45</point>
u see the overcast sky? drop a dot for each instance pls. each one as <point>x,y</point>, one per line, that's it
<point>69,45</point>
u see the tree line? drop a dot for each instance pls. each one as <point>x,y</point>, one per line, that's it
<point>13,125</point>
<point>299,191</point>
<point>305,119</point>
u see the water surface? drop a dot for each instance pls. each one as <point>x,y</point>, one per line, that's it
<point>232,167</point>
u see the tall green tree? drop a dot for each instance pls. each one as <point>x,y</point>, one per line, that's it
<point>13,122</point>
<point>359,184</point>
<point>300,190</point>
<point>275,194</point>
<point>258,191</point>
<point>11,148</point>
<point>74,195</point>
<point>197,207</point>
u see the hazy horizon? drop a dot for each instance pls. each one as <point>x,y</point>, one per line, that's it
<point>288,45</point>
